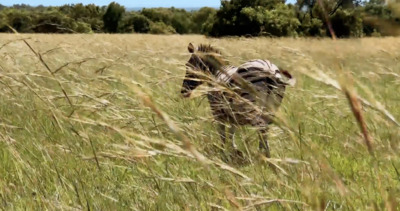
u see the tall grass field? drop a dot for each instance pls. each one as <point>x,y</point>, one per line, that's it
<point>97,122</point>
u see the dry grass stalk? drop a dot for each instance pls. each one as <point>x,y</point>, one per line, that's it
<point>357,111</point>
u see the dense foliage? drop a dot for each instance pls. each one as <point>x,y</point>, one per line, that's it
<point>349,18</point>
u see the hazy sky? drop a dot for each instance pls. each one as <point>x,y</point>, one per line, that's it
<point>126,3</point>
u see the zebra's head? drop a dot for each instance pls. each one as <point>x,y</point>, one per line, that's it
<point>204,60</point>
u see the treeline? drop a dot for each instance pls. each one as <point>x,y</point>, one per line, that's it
<point>348,18</point>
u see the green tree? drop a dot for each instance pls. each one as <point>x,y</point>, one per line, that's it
<point>19,20</point>
<point>203,19</point>
<point>347,23</point>
<point>158,14</point>
<point>231,21</point>
<point>344,16</point>
<point>90,14</point>
<point>240,17</point>
<point>53,21</point>
<point>280,21</point>
<point>179,19</point>
<point>135,22</point>
<point>310,26</point>
<point>112,17</point>
<point>95,14</point>
<point>380,18</point>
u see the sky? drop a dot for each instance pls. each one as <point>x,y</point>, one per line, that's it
<point>126,3</point>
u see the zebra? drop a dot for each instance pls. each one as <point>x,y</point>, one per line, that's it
<point>248,94</point>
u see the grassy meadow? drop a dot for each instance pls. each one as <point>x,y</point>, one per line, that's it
<point>96,122</point>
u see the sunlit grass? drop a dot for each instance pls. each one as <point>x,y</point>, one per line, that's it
<point>104,126</point>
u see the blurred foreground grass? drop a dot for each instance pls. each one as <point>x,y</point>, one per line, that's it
<point>75,134</point>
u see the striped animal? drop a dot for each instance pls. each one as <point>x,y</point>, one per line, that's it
<point>245,95</point>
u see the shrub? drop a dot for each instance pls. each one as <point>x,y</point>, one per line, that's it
<point>161,28</point>
<point>82,27</point>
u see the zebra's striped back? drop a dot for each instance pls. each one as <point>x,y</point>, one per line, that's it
<point>253,104</point>
<point>254,90</point>
<point>225,74</point>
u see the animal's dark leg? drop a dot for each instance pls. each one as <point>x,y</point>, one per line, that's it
<point>263,144</point>
<point>221,133</point>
